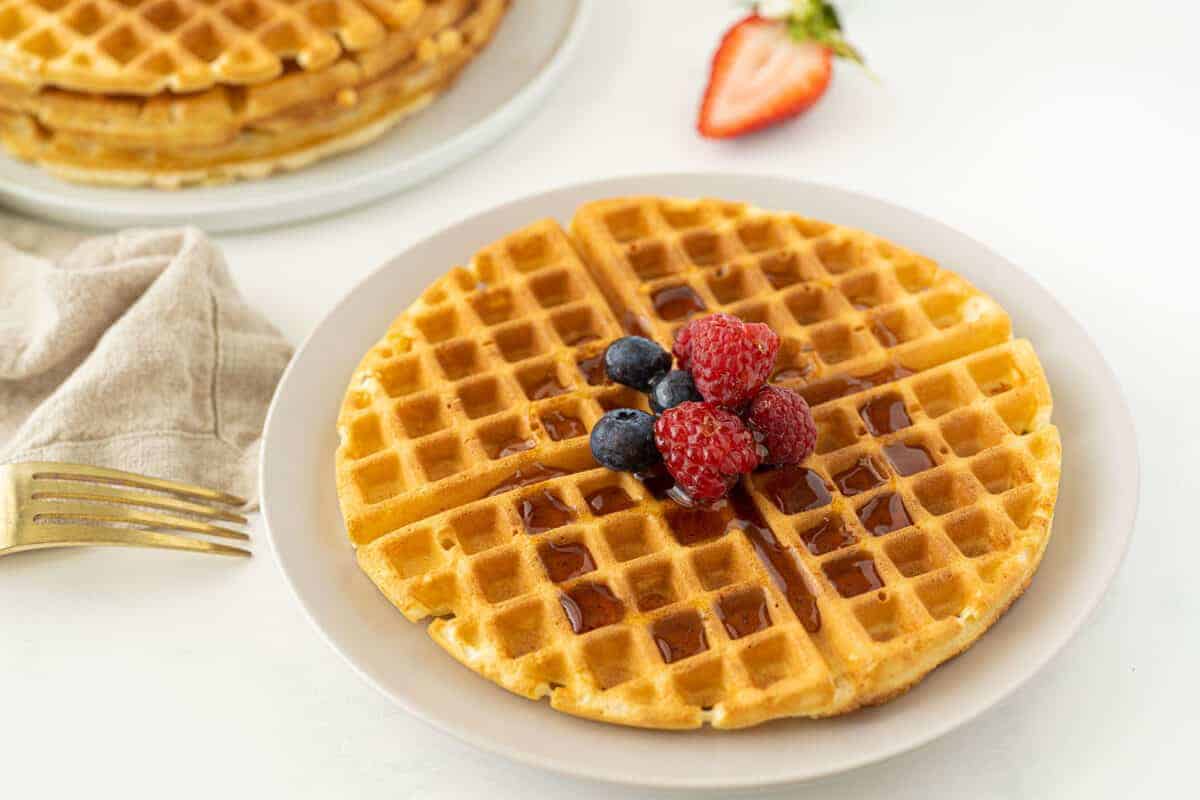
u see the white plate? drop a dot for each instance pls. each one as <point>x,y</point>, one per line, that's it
<point>1096,508</point>
<point>495,92</point>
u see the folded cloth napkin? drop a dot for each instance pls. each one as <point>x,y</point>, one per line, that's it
<point>133,351</point>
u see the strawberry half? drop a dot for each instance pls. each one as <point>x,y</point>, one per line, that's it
<point>768,70</point>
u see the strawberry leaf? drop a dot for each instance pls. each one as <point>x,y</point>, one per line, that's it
<point>817,21</point>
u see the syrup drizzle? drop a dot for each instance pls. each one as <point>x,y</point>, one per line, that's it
<point>677,302</point>
<point>517,445</point>
<point>544,511</point>
<point>562,426</point>
<point>853,575</point>
<point>861,476</point>
<point>908,459</point>
<point>843,385</point>
<point>885,414</point>
<point>637,325</point>
<point>657,480</point>
<point>566,560</point>
<point>796,489</point>
<point>608,500</point>
<point>744,613</point>
<point>547,387</point>
<point>592,369</point>
<point>691,526</point>
<point>678,637</point>
<point>779,561</point>
<point>591,605</point>
<point>884,513</point>
<point>826,536</point>
<point>527,475</point>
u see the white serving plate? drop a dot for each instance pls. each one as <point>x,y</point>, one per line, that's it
<point>496,91</point>
<point>1096,509</point>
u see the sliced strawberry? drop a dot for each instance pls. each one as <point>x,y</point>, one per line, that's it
<point>761,75</point>
<point>767,70</point>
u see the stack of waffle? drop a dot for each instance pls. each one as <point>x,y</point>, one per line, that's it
<point>467,484</point>
<point>169,93</point>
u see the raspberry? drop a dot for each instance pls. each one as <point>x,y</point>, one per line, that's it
<point>782,422</point>
<point>705,448</point>
<point>683,344</point>
<point>729,359</point>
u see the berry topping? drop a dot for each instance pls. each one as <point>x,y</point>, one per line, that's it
<point>782,422</point>
<point>730,360</point>
<point>623,440</point>
<point>636,362</point>
<point>672,389</point>
<point>705,447</point>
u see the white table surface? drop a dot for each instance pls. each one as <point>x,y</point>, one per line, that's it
<point>1063,134</point>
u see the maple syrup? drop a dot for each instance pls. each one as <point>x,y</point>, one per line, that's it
<point>691,526</point>
<point>796,489</point>
<point>609,500</point>
<point>884,514</point>
<point>562,426</point>
<point>843,385</point>
<point>636,325</point>
<point>677,302</point>
<point>566,560</point>
<point>548,386</point>
<point>678,637</point>
<point>744,613</point>
<point>886,336</point>
<point>777,559</point>
<point>589,606</point>
<point>576,338</point>
<point>908,459</point>
<point>516,445</point>
<point>544,511</point>
<point>794,373</point>
<point>863,476</point>
<point>592,369</point>
<point>885,414</point>
<point>526,476</point>
<point>853,575</point>
<point>826,536</point>
<point>657,480</point>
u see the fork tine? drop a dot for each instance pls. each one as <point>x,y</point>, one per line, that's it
<point>82,535</point>
<point>89,474</point>
<point>53,489</point>
<point>82,512</point>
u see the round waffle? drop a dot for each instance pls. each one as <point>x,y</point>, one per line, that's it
<point>168,139</point>
<point>467,484</point>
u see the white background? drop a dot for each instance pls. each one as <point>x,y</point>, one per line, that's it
<point>1063,134</point>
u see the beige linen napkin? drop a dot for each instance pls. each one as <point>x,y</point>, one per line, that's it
<point>133,351</point>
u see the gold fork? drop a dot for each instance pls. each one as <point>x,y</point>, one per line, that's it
<point>45,504</point>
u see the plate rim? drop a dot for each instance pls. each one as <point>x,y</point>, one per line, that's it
<point>305,202</point>
<point>608,187</point>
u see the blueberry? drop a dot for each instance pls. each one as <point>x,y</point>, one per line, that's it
<point>636,362</point>
<point>672,389</point>
<point>623,440</point>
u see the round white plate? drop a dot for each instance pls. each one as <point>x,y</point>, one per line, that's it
<point>495,92</point>
<point>1096,508</point>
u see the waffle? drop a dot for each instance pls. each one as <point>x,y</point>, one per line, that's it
<point>223,132</point>
<point>151,46</point>
<point>468,488</point>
